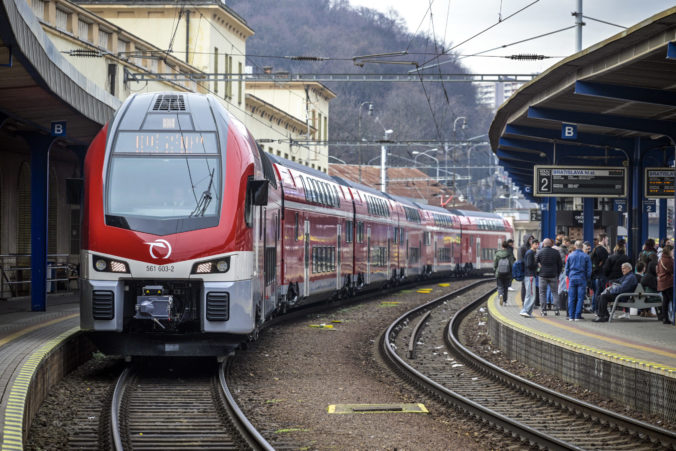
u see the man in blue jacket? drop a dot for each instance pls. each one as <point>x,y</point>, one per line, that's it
<point>578,270</point>
<point>626,284</point>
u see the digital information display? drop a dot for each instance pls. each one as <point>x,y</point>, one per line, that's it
<point>659,183</point>
<point>580,181</point>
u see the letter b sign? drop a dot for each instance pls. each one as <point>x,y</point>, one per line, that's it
<point>58,128</point>
<point>568,131</point>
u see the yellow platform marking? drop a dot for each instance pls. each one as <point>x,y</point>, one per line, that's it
<point>444,284</point>
<point>22,332</point>
<point>606,355</point>
<point>389,303</point>
<point>322,326</point>
<point>376,408</point>
<point>12,436</point>
<point>425,290</point>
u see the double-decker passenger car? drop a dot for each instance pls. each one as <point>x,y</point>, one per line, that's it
<point>193,237</point>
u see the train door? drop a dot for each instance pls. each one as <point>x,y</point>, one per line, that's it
<point>368,255</point>
<point>339,259</point>
<point>434,261</point>
<point>306,267</point>
<point>389,249</point>
<point>270,239</point>
<point>478,252</point>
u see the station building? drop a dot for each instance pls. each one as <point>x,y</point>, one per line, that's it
<point>70,65</point>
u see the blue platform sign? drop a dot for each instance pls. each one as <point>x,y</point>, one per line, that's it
<point>58,128</point>
<point>568,131</point>
<point>649,206</point>
<point>620,205</point>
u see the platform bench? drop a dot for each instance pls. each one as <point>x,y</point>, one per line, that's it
<point>639,299</point>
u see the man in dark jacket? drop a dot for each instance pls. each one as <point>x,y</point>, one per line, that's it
<point>502,265</point>
<point>551,266</point>
<point>612,269</point>
<point>598,258</point>
<point>626,284</point>
<point>530,269</point>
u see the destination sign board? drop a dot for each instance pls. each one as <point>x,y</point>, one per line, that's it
<point>659,183</point>
<point>580,181</point>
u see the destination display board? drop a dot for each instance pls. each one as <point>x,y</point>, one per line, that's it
<point>580,181</point>
<point>659,183</point>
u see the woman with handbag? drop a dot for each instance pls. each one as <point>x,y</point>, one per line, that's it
<point>665,280</point>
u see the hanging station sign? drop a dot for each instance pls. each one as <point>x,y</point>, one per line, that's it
<point>580,181</point>
<point>658,183</point>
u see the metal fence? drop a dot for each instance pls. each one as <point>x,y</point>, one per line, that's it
<point>15,274</point>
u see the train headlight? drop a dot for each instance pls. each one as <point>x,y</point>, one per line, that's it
<point>100,264</point>
<point>220,265</point>
<point>103,264</point>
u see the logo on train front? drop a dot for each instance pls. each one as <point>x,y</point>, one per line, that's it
<point>159,249</point>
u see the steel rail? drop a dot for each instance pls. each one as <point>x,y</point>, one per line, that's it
<point>115,405</point>
<point>455,399</point>
<point>655,434</point>
<point>240,421</point>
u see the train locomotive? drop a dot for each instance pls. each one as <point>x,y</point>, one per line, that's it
<point>193,237</point>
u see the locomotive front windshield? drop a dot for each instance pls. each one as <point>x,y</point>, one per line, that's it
<point>163,176</point>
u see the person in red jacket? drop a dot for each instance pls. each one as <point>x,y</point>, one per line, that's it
<point>665,280</point>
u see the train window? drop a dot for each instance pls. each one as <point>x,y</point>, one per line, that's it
<point>248,207</point>
<point>396,233</point>
<point>314,191</point>
<point>305,191</point>
<point>360,232</point>
<point>427,238</point>
<point>348,231</point>
<point>295,229</point>
<point>335,191</point>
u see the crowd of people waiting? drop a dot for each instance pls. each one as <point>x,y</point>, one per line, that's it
<point>563,274</point>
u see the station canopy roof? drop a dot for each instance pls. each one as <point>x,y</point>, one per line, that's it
<point>615,91</point>
<point>39,86</point>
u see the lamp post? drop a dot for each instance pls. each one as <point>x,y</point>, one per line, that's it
<point>383,160</point>
<point>370,113</point>
<point>417,154</point>
<point>455,124</point>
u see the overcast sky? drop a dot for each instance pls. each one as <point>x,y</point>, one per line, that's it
<point>457,20</point>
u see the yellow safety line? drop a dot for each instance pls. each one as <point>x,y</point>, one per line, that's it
<point>626,360</point>
<point>12,432</point>
<point>22,332</point>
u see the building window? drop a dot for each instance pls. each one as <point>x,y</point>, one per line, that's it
<point>216,69</point>
<point>62,19</point>
<point>39,8</point>
<point>121,48</point>
<point>104,39</point>
<point>84,30</point>
<point>326,128</point>
<point>240,84</point>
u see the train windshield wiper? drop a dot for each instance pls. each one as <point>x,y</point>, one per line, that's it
<point>205,198</point>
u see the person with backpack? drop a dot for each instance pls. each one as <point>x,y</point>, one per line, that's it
<point>525,247</point>
<point>502,264</point>
<point>649,253</point>
<point>551,266</point>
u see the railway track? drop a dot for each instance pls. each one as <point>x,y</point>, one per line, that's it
<point>422,346</point>
<point>190,409</point>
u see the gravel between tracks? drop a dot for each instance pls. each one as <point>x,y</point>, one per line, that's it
<point>69,418</point>
<point>474,335</point>
<point>286,381</point>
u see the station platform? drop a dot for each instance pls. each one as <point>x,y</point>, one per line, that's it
<point>27,340</point>
<point>632,360</point>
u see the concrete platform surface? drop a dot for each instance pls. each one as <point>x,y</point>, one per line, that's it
<point>637,342</point>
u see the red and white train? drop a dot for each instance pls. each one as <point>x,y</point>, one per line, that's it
<point>193,236</point>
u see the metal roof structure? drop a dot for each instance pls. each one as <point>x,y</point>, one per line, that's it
<point>621,94</point>
<point>620,97</point>
<point>39,85</point>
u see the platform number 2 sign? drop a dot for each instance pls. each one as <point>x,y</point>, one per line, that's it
<point>545,181</point>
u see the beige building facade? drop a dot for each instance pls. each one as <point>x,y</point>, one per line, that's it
<point>307,102</point>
